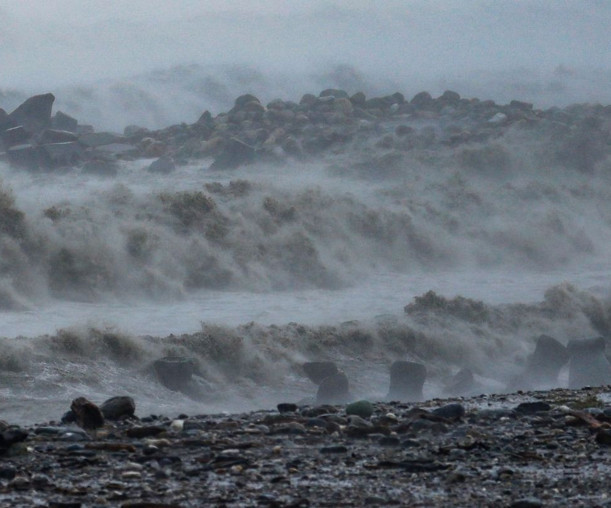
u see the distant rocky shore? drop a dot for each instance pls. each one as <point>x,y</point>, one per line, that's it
<point>526,450</point>
<point>331,123</point>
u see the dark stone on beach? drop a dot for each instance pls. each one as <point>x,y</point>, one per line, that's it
<point>11,436</point>
<point>406,381</point>
<point>15,136</point>
<point>308,100</point>
<point>235,153</point>
<point>334,389</point>
<point>118,408</point>
<point>449,97</point>
<point>318,371</point>
<point>358,99</point>
<point>603,437</point>
<point>525,106</point>
<point>362,408</point>
<point>88,415</point>
<point>529,502</point>
<point>35,113</point>
<point>286,407</point>
<point>589,366</point>
<point>529,408</point>
<point>452,411</point>
<point>334,449</point>
<point>64,122</point>
<point>69,417</point>
<point>7,472</point>
<point>164,164</point>
<point>70,504</point>
<point>174,372</point>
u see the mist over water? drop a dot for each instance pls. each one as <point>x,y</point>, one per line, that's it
<point>272,265</point>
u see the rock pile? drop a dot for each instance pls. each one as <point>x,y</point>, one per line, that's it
<point>332,122</point>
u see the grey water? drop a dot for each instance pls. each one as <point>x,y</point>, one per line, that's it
<point>531,243</point>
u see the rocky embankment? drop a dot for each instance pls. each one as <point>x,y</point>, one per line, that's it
<point>381,129</point>
<point>520,450</point>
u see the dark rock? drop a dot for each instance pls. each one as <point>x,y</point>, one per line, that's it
<point>117,408</point>
<point>358,99</point>
<point>242,100</point>
<point>334,389</point>
<point>449,97</point>
<point>529,408</point>
<point>422,99</point>
<point>406,381</point>
<point>362,408</point>
<point>235,153</point>
<point>64,122</point>
<point>524,106</point>
<point>318,371</point>
<point>35,113</point>
<point>333,92</point>
<point>308,100</point>
<point>164,165</point>
<point>7,472</point>
<point>56,136</point>
<point>10,437</point>
<point>589,366</point>
<point>88,415</point>
<point>334,449</point>
<point>15,136</point>
<point>452,411</point>
<point>69,417</point>
<point>603,437</point>
<point>135,131</point>
<point>529,502</point>
<point>544,365</point>
<point>174,372</point>
<point>5,121</point>
<point>286,407</point>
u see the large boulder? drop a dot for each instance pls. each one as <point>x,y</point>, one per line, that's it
<point>235,153</point>
<point>318,371</point>
<point>406,381</point>
<point>64,122</point>
<point>589,366</point>
<point>35,113</point>
<point>545,363</point>
<point>87,415</point>
<point>15,136</point>
<point>334,389</point>
<point>118,408</point>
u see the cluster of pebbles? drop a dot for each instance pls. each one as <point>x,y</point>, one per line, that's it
<point>331,123</point>
<point>521,450</point>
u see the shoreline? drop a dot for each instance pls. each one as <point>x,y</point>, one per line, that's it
<point>539,448</point>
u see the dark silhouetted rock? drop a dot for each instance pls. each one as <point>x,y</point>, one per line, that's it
<point>11,436</point>
<point>406,381</point>
<point>95,139</point>
<point>358,99</point>
<point>545,363</point>
<point>245,99</point>
<point>117,408</point>
<point>333,92</point>
<point>162,165</point>
<point>235,153</point>
<point>589,366</point>
<point>318,371</point>
<point>15,136</point>
<point>449,97</point>
<point>334,389</point>
<point>452,411</point>
<point>88,415</point>
<point>35,113</point>
<point>174,372</point>
<point>422,99</point>
<point>63,154</point>
<point>5,121</point>
<point>64,122</point>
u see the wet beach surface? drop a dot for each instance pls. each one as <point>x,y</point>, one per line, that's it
<point>527,449</point>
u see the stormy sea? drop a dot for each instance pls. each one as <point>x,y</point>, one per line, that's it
<point>361,221</point>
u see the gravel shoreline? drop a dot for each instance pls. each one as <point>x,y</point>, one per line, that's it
<point>527,449</point>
